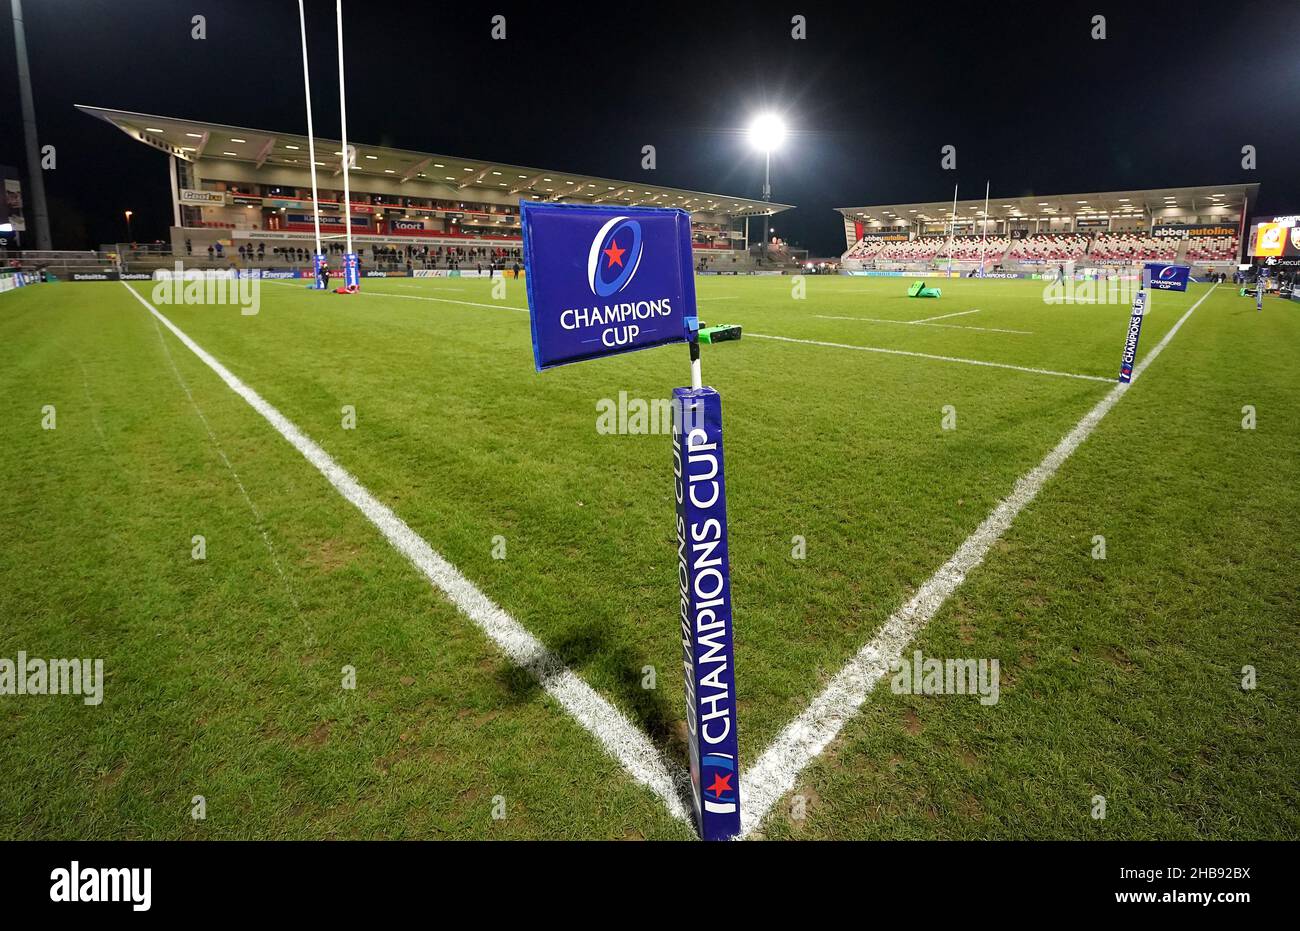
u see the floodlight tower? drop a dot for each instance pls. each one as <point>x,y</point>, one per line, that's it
<point>40,215</point>
<point>766,133</point>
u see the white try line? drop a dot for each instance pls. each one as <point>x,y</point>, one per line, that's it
<point>438,300</point>
<point>442,300</point>
<point>619,736</point>
<point>777,770</point>
<point>416,287</point>
<point>926,355</point>
<point>946,326</point>
<point>960,313</point>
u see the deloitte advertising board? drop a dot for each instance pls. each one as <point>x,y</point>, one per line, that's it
<point>604,281</point>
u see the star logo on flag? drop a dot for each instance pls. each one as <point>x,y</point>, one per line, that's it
<point>615,254</point>
<point>720,784</point>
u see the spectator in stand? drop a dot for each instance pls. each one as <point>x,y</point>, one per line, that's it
<point>210,251</point>
<point>261,251</point>
<point>189,246</point>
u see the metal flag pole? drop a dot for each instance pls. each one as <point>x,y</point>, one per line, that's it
<point>311,135</point>
<point>351,270</point>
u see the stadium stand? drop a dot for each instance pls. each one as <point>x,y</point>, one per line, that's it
<point>1213,249</point>
<point>248,203</point>
<point>914,250</point>
<point>973,249</point>
<point>1049,247</point>
<point>1130,247</point>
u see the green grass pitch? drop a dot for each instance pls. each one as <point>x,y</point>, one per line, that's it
<point>1120,677</point>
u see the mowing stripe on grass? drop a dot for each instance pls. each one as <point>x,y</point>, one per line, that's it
<point>926,355</point>
<point>946,326</point>
<point>258,521</point>
<point>804,738</point>
<point>619,736</point>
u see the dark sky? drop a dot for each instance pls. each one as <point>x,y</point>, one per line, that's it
<point>1029,99</point>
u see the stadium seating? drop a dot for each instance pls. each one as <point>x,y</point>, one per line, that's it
<point>865,249</point>
<point>1132,247</point>
<point>972,249</point>
<point>1213,249</point>
<point>915,250</point>
<point>1049,247</point>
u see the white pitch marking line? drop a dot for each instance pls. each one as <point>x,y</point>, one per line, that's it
<point>619,736</point>
<point>803,739</point>
<point>444,300</point>
<point>960,313</point>
<point>926,355</point>
<point>946,326</point>
<point>90,405</point>
<point>440,300</point>
<point>416,287</point>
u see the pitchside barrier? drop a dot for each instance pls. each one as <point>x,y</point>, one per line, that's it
<point>602,282</point>
<point>12,281</point>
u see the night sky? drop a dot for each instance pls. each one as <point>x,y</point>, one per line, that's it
<point>1029,99</point>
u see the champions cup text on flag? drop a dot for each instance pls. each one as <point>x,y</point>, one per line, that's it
<point>603,281</point>
<point>1131,339</point>
<point>1162,277</point>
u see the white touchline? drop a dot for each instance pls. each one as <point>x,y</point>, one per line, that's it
<point>960,313</point>
<point>926,355</point>
<point>619,736</point>
<point>946,326</point>
<point>804,738</point>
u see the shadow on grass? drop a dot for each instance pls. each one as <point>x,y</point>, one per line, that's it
<point>590,652</point>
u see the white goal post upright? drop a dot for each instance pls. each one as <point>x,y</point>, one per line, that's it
<point>311,131</point>
<point>952,229</point>
<point>985,232</point>
<point>343,122</point>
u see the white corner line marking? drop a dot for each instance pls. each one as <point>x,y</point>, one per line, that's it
<point>926,355</point>
<point>619,736</point>
<point>803,739</point>
<point>960,313</point>
<point>946,326</point>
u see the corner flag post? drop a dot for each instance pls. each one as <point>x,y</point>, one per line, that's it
<point>603,281</point>
<point>318,257</point>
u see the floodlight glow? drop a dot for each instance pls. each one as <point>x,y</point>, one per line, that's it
<point>766,132</point>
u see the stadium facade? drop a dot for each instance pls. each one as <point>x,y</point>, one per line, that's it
<point>1200,226</point>
<point>233,186</point>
